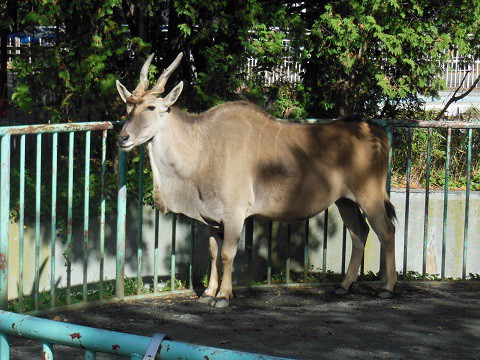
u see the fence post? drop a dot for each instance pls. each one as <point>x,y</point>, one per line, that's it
<point>173,252</point>
<point>86,214</point>
<point>445,202</point>
<point>247,265</point>
<point>53,224</point>
<point>4,219</point>
<point>140,220</point>
<point>389,131</point>
<point>192,247</point>
<point>121,225</point>
<point>71,142</point>
<point>38,206</point>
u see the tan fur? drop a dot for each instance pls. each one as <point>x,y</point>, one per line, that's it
<point>235,161</point>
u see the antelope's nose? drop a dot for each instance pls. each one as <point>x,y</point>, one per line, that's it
<point>122,140</point>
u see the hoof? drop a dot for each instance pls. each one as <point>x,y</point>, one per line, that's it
<point>207,299</point>
<point>385,294</point>
<point>341,291</point>
<point>222,302</point>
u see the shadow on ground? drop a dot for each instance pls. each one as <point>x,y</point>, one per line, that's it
<point>432,320</point>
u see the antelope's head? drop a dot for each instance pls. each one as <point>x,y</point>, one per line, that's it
<point>146,111</point>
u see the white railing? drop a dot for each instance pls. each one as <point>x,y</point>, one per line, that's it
<point>289,71</point>
<point>461,73</point>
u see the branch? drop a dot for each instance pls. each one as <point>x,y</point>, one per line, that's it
<point>455,98</point>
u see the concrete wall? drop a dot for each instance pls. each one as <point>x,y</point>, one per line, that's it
<point>454,244</point>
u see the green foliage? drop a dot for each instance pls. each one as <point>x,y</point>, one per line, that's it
<point>76,296</point>
<point>416,276</point>
<point>179,285</point>
<point>375,58</point>
<point>377,55</point>
<point>204,279</point>
<point>288,102</point>
<point>298,278</point>
<point>133,176</point>
<point>215,33</point>
<point>75,77</point>
<point>474,277</point>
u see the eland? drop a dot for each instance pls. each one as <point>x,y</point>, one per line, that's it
<point>235,161</point>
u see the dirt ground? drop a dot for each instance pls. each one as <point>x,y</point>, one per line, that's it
<point>433,320</point>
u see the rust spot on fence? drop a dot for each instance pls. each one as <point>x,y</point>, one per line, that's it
<point>115,347</point>
<point>69,227</point>
<point>3,262</point>
<point>49,128</point>
<point>75,336</point>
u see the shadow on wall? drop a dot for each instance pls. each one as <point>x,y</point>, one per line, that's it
<point>260,248</point>
<point>164,240</point>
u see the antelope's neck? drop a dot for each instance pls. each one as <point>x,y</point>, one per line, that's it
<point>174,159</point>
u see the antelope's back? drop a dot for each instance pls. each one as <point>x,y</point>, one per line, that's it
<point>294,171</point>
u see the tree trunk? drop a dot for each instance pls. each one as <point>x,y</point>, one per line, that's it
<point>140,20</point>
<point>176,44</point>
<point>3,72</point>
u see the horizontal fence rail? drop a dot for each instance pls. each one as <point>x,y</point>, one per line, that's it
<point>68,218</point>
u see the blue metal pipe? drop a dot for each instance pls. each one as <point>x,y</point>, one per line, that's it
<point>47,351</point>
<point>4,347</point>
<point>110,342</point>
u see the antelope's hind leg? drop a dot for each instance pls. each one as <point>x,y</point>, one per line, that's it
<point>380,216</point>
<point>358,229</point>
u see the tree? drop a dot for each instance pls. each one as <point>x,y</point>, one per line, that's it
<point>378,56</point>
<point>74,78</point>
<point>8,20</point>
<point>369,58</point>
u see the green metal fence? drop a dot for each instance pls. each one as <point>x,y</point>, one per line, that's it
<point>464,131</point>
<point>54,159</point>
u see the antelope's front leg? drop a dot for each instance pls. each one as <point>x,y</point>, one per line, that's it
<point>208,296</point>
<point>228,252</point>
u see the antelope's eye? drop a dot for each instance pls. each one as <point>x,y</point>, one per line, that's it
<point>151,107</point>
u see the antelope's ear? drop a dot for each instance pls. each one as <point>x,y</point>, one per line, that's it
<point>170,99</point>
<point>124,93</point>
